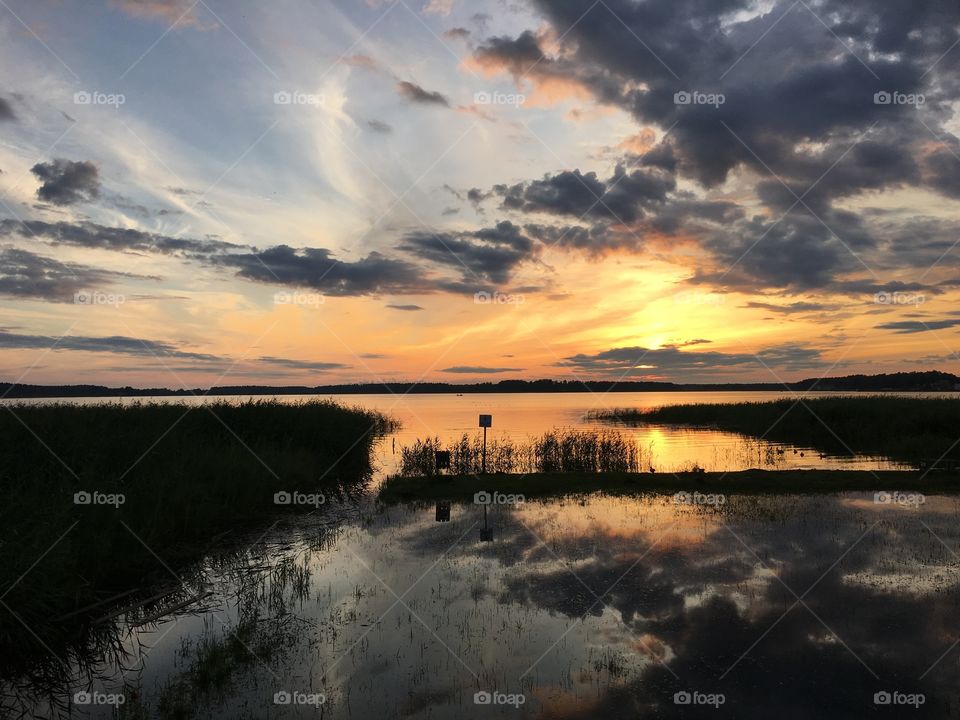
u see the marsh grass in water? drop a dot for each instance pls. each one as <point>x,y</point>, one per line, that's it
<point>186,474</point>
<point>554,451</point>
<point>909,430</point>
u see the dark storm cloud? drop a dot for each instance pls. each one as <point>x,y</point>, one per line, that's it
<point>621,198</point>
<point>415,93</point>
<point>670,360</point>
<point>92,235</point>
<point>490,254</point>
<point>316,268</point>
<point>799,83</point>
<point>478,370</point>
<point>66,182</point>
<point>682,212</point>
<point>111,344</point>
<point>301,364</point>
<point>798,251</point>
<point>24,274</point>
<point>6,111</point>
<point>811,87</point>
<point>909,327</point>
<point>518,55</point>
<point>593,240</point>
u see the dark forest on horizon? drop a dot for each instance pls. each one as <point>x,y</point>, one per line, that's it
<point>928,381</point>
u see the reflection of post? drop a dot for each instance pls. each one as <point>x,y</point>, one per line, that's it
<point>486,534</point>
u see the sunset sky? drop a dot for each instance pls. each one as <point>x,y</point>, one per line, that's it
<point>319,192</point>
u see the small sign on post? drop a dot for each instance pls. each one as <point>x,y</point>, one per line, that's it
<point>485,422</point>
<point>442,460</point>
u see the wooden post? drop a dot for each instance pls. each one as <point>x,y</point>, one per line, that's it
<point>485,422</point>
<point>484,462</point>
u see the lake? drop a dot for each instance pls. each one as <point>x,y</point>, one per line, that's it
<point>749,607</point>
<point>836,605</point>
<point>523,415</point>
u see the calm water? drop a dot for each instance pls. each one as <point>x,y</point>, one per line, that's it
<point>523,415</point>
<point>594,607</point>
<point>578,608</point>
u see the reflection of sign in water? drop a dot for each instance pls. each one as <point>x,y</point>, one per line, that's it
<point>486,533</point>
<point>443,512</point>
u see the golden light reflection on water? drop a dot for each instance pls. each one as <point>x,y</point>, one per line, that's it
<point>583,604</point>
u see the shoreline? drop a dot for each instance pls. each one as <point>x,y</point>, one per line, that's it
<point>461,488</point>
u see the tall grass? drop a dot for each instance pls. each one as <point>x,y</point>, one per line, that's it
<point>554,451</point>
<point>899,428</point>
<point>187,474</point>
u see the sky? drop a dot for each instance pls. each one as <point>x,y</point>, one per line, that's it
<point>288,193</point>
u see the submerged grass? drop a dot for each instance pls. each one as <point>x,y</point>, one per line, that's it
<point>905,429</point>
<point>186,475</point>
<point>554,451</point>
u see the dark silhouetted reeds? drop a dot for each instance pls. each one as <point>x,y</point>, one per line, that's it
<point>900,428</point>
<point>187,474</point>
<point>554,451</point>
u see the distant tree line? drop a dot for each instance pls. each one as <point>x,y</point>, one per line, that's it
<point>930,381</point>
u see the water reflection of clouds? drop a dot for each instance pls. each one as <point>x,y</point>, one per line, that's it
<point>685,593</point>
<point>709,595</point>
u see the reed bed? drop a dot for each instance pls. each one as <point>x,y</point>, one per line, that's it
<point>906,429</point>
<point>554,451</point>
<point>187,474</point>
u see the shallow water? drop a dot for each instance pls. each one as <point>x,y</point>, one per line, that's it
<point>521,416</point>
<point>788,606</point>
